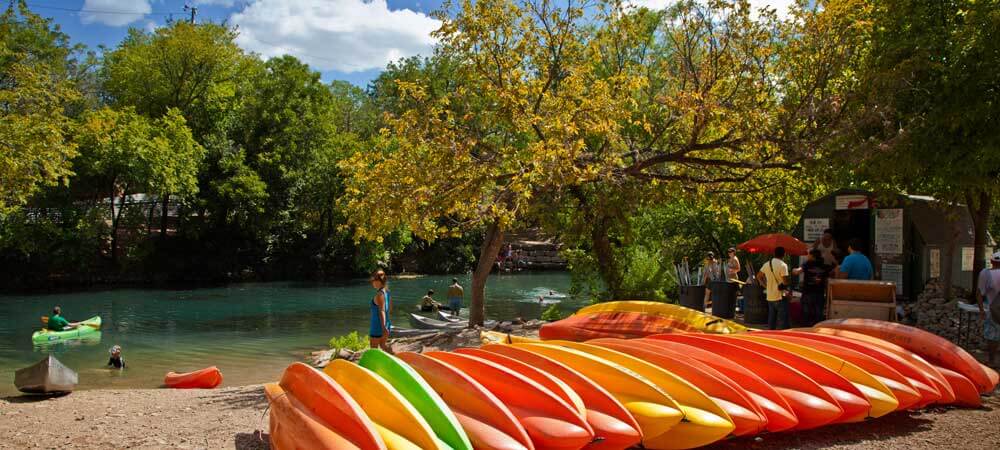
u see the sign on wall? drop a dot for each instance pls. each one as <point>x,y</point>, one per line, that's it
<point>968,256</point>
<point>813,228</point>
<point>889,232</point>
<point>935,263</point>
<point>893,273</point>
<point>851,202</point>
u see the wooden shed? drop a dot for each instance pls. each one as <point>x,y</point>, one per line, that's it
<point>907,237</point>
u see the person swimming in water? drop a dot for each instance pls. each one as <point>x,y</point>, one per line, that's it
<point>116,361</point>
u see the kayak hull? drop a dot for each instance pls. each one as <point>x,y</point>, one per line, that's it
<point>415,390</point>
<point>207,378</point>
<point>486,420</point>
<point>46,377</point>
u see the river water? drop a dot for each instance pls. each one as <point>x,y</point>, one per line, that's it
<point>250,331</point>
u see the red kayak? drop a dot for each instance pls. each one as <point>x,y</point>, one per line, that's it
<point>615,325</point>
<point>206,378</point>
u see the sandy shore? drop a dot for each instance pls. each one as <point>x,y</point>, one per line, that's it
<point>231,418</point>
<point>137,418</point>
<point>235,418</point>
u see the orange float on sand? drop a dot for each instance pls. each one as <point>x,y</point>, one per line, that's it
<point>206,378</point>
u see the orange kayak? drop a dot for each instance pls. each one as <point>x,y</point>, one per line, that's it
<point>940,382</point>
<point>965,392</point>
<point>851,400</point>
<point>614,427</point>
<point>548,419</point>
<point>292,426</point>
<point>544,379</point>
<point>735,401</point>
<point>932,347</point>
<point>206,378</point>
<point>780,415</point>
<point>895,381</point>
<point>622,325</point>
<point>486,420</point>
<point>812,404</point>
<point>325,399</point>
<point>914,377</point>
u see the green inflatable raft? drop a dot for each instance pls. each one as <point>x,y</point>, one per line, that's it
<point>424,399</point>
<point>86,329</point>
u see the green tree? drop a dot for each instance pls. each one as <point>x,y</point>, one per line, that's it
<point>923,111</point>
<point>193,68</point>
<point>541,98</point>
<point>35,90</point>
<point>126,153</point>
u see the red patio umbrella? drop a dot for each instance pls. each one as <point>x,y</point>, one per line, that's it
<point>766,243</point>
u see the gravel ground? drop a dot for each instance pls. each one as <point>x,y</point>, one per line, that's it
<point>232,418</point>
<point>137,418</point>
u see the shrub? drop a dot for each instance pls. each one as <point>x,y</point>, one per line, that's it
<point>552,313</point>
<point>351,341</point>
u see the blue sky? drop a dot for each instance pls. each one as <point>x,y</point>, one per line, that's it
<point>343,39</point>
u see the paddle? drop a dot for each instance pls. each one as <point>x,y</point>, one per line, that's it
<point>45,321</point>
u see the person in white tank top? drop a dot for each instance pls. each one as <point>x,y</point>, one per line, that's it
<point>828,246</point>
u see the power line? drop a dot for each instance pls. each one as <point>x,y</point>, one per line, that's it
<point>102,11</point>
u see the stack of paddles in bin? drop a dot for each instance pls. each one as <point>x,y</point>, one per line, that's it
<point>660,391</point>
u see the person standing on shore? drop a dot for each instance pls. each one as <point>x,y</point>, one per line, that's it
<point>732,266</point>
<point>713,272</point>
<point>815,274</point>
<point>856,266</point>
<point>455,294</point>
<point>828,247</point>
<point>774,275</point>
<point>988,292</point>
<point>378,330</point>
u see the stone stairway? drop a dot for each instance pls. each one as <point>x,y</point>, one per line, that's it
<point>533,250</point>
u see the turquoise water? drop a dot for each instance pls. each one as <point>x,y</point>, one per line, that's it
<point>250,331</point>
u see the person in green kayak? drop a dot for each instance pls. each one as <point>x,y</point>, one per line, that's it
<point>58,323</point>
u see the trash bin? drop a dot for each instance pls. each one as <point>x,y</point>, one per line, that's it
<point>693,297</point>
<point>723,298</point>
<point>754,304</point>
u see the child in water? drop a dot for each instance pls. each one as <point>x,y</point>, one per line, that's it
<point>116,361</point>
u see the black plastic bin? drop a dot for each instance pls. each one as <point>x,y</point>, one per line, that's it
<point>693,297</point>
<point>724,298</point>
<point>754,304</point>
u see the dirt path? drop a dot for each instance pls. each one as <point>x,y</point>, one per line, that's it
<point>137,418</point>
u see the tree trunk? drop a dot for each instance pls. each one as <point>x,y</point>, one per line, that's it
<point>115,220</point>
<point>487,255</point>
<point>979,209</point>
<point>949,255</point>
<point>163,217</point>
<point>605,255</point>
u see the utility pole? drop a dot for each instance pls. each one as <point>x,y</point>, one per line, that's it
<point>194,12</point>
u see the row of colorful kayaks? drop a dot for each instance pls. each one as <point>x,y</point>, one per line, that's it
<point>664,391</point>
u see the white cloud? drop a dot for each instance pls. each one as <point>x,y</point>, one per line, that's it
<point>342,35</point>
<point>114,13</point>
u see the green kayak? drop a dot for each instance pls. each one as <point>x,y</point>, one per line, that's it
<point>424,399</point>
<point>86,329</point>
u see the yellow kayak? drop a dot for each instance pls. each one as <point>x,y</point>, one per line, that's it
<point>652,408</point>
<point>704,420</point>
<point>882,399</point>
<point>703,322</point>
<point>399,424</point>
